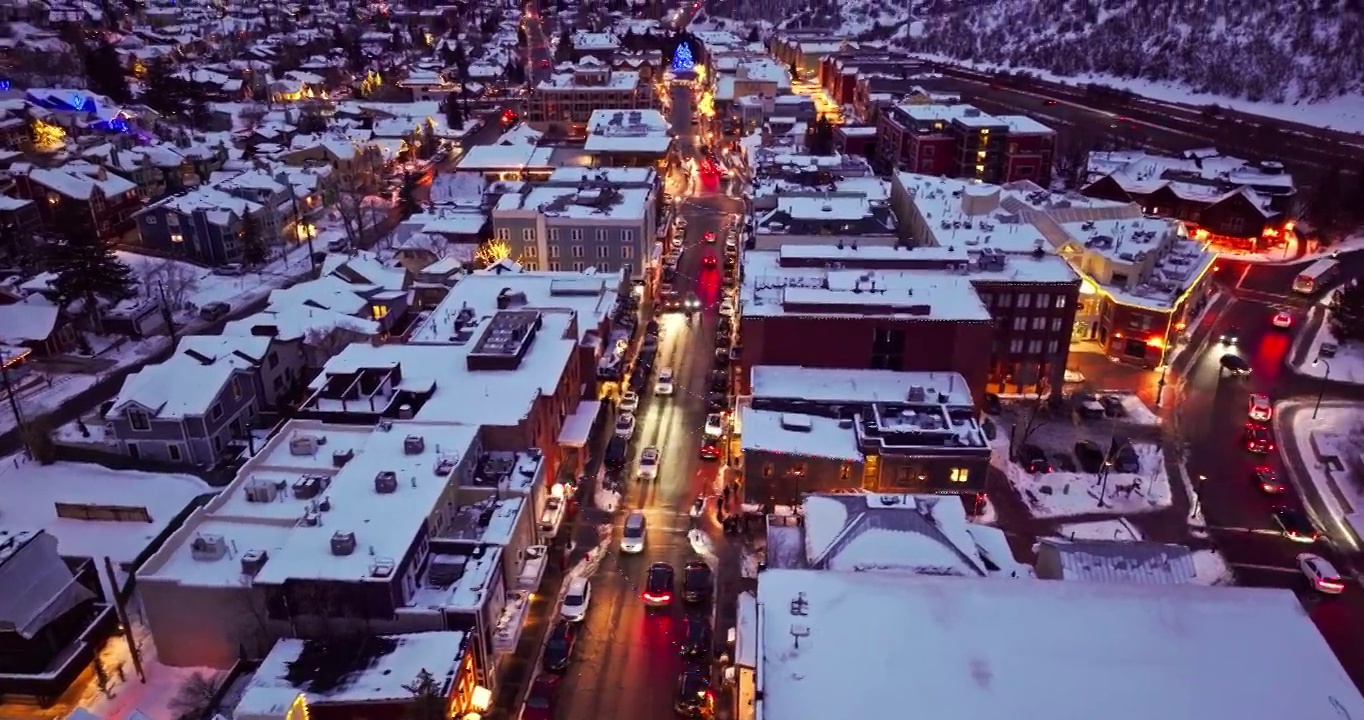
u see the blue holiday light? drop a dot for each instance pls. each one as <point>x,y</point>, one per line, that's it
<point>682,59</point>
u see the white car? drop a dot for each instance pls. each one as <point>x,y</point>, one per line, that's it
<point>632,536</point>
<point>629,401</point>
<point>727,307</point>
<point>664,384</point>
<point>625,425</point>
<point>1322,575</point>
<point>1260,409</point>
<point>576,599</point>
<point>648,463</point>
<point>715,425</point>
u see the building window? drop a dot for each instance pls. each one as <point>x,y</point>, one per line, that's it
<point>173,451</point>
<point>1034,347</point>
<point>601,235</point>
<point>530,265</point>
<point>554,234</point>
<point>576,235</point>
<point>177,238</point>
<point>1039,323</point>
<point>604,267</point>
<point>960,475</point>
<point>173,220</point>
<point>1024,300</point>
<point>985,299</point>
<point>531,251</point>
<point>578,267</point>
<point>527,235</point>
<point>627,252</point>
<point>151,219</point>
<point>627,236</point>
<point>237,384</point>
<point>1015,347</point>
<point>1056,324</point>
<point>601,252</point>
<point>554,251</point>
<point>1020,323</point>
<point>1053,347</point>
<point>554,267</point>
<point>1006,300</point>
<point>504,234</point>
<point>217,411</point>
<point>576,251</point>
<point>1041,300</point>
<point>138,420</point>
<point>1060,301</point>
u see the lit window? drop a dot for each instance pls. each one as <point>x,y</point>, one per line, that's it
<point>378,312</point>
<point>960,475</point>
<point>980,168</point>
<point>177,238</point>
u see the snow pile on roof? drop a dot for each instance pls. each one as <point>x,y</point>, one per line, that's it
<point>975,648</point>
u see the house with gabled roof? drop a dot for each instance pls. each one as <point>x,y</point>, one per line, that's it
<point>200,405</point>
<point>204,225</point>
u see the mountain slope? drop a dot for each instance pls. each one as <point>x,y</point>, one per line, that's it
<point>1287,51</point>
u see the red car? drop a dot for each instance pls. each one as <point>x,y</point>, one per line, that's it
<point>1282,320</point>
<point>1268,480</point>
<point>708,261</point>
<point>709,238</point>
<point>543,698</point>
<point>710,449</point>
<point>1258,439</point>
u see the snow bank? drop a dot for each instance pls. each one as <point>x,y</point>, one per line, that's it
<point>1211,569</point>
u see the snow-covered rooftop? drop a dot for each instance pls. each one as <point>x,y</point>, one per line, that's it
<point>827,385</point>
<point>627,131</point>
<point>786,433</point>
<point>311,481</point>
<point>592,298</point>
<point>570,204</point>
<point>845,644</point>
<point>373,670</point>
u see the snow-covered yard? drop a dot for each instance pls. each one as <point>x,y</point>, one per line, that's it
<point>1211,569</point>
<point>1116,529</point>
<point>42,391</point>
<point>1063,494</point>
<point>189,287</point>
<point>1137,412</point>
<point>1347,366</point>
<point>1328,446</point>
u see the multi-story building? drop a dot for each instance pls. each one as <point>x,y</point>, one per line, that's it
<point>566,101</point>
<point>817,218</point>
<point>157,169</point>
<point>961,141</point>
<point>594,222</point>
<point>203,225</point>
<point>926,309</point>
<point>20,227</point>
<point>809,430</point>
<point>1231,202</point>
<point>630,138</point>
<point>804,51</point>
<point>461,356</point>
<point>839,72</point>
<point>1140,279</point>
<point>79,198</point>
<point>338,531</point>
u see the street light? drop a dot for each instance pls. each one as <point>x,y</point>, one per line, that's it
<point>1321,389</point>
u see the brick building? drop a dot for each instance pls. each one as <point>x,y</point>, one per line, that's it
<point>961,141</point>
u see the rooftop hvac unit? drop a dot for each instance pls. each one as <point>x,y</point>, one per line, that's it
<point>208,547</point>
<point>386,482</point>
<point>261,491</point>
<point>343,543</point>
<point>304,445</point>
<point>916,393</point>
<point>311,518</point>
<point>796,423</point>
<point>382,568</point>
<point>253,561</point>
<point>309,486</point>
<point>405,411</point>
<point>414,445</point>
<point>444,466</point>
<point>341,457</point>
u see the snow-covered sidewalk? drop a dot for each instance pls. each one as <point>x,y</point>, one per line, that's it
<point>1326,446</point>
<point>1345,366</point>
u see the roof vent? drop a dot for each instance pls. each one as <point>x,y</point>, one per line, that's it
<point>343,543</point>
<point>800,606</point>
<point>300,445</point>
<point>261,491</point>
<point>208,547</point>
<point>253,561</point>
<point>386,482</point>
<point>414,445</point>
<point>341,457</point>
<point>382,568</point>
<point>796,423</point>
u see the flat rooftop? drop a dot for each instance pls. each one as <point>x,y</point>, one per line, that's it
<point>32,494</point>
<point>629,131</point>
<point>571,204</point>
<point>994,648</point>
<point>591,297</point>
<point>310,481</point>
<point>826,385</point>
<point>368,670</point>
<point>770,290</point>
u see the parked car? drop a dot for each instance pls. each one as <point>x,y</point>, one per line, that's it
<point>543,700</point>
<point>1113,406</point>
<point>1321,574</point>
<point>230,270</point>
<point>1125,458</point>
<point>710,448</point>
<point>625,425</point>
<point>1089,456</point>
<point>697,582</point>
<point>1234,365</point>
<point>715,425</point>
<point>579,593</point>
<point>559,648</point>
<point>696,637</point>
<point>629,402</point>
<point>1088,406</point>
<point>694,697</point>
<point>1034,460</point>
<point>214,310</point>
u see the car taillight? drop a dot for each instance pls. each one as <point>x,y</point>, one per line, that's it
<point>1269,487</point>
<point>1330,585</point>
<point>659,597</point>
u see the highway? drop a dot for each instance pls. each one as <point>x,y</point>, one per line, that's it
<point>1208,413</point>
<point>627,662</point>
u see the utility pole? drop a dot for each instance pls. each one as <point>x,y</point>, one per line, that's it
<point>14,404</point>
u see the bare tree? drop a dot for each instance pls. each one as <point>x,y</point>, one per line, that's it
<point>327,343</point>
<point>176,280</point>
<point>195,697</point>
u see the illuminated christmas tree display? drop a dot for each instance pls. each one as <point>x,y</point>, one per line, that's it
<point>682,59</point>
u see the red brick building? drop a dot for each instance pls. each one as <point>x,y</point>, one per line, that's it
<point>1016,330</point>
<point>961,141</point>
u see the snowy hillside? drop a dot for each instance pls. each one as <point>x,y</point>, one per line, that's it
<point>1274,51</point>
